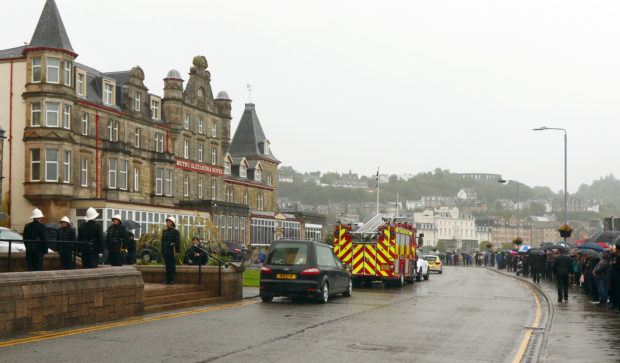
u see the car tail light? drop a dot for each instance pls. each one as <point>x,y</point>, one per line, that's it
<point>311,271</point>
<point>311,289</point>
<point>265,270</point>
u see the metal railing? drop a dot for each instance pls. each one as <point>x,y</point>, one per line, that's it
<point>73,244</point>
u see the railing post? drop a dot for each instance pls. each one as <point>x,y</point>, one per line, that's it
<point>8,264</point>
<point>219,278</point>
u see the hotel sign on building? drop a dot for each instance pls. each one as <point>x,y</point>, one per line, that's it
<point>199,167</point>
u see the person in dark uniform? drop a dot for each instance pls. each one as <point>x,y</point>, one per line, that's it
<point>65,249</point>
<point>36,241</point>
<point>130,248</point>
<point>116,240</point>
<point>538,266</point>
<point>561,268</point>
<point>195,254</point>
<point>91,233</point>
<point>170,246</point>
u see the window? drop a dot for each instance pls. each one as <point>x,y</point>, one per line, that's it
<point>226,168</point>
<point>36,70</point>
<point>122,174</point>
<point>242,230</point>
<point>200,126</point>
<point>168,184</point>
<point>261,231</point>
<point>80,84</point>
<point>245,197</point>
<point>185,149</point>
<point>136,179</point>
<point>213,189</point>
<point>155,109</point>
<point>269,180</point>
<point>51,165</point>
<point>199,188</point>
<point>159,142</point>
<point>84,172</point>
<point>51,114</point>
<point>35,114</point>
<point>67,73</point>
<point>85,124</point>
<point>52,73</point>
<point>223,226</point>
<point>66,119</point>
<point>136,137</point>
<point>214,129</point>
<point>229,194</point>
<point>66,166</point>
<point>113,130</point>
<point>185,185</point>
<point>112,174</point>
<point>260,201</point>
<point>159,178</point>
<point>213,156</point>
<point>230,225</point>
<point>242,171</point>
<point>186,123</point>
<point>35,165</point>
<point>236,236</point>
<point>257,175</point>
<point>137,101</point>
<point>108,93</point>
<point>199,152</point>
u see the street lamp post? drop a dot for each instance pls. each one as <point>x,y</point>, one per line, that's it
<point>543,128</point>
<point>504,181</point>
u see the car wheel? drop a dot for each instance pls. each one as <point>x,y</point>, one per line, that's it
<point>440,271</point>
<point>349,290</point>
<point>146,257</point>
<point>418,277</point>
<point>266,298</point>
<point>324,297</point>
<point>401,281</point>
<point>428,275</point>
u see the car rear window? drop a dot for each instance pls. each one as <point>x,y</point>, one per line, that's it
<point>8,234</point>
<point>430,258</point>
<point>289,254</point>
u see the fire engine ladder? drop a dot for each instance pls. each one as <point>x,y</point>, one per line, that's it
<point>365,254</point>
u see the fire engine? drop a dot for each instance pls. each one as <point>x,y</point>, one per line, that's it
<point>384,249</point>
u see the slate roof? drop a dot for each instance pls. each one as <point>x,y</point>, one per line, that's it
<point>50,31</point>
<point>12,52</point>
<point>249,137</point>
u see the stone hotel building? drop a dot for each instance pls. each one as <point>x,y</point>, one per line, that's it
<point>79,137</point>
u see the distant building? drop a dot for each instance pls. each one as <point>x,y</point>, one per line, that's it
<point>449,223</point>
<point>467,194</point>
<point>482,177</point>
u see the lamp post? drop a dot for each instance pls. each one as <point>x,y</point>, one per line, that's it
<point>543,128</point>
<point>504,181</point>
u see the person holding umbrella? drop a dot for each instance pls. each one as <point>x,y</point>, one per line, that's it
<point>65,233</point>
<point>170,246</point>
<point>561,268</point>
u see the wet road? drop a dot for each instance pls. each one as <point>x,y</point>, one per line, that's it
<point>465,314</point>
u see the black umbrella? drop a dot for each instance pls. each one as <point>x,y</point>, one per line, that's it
<point>547,246</point>
<point>232,245</point>
<point>53,225</point>
<point>131,224</point>
<point>535,251</point>
<point>605,237</point>
<point>589,252</point>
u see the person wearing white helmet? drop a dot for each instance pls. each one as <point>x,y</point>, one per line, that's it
<point>64,235</point>
<point>170,246</point>
<point>90,234</point>
<point>116,240</point>
<point>35,239</point>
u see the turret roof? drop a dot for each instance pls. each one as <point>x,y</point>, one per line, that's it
<point>249,139</point>
<point>50,31</point>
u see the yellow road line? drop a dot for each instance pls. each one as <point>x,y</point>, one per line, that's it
<point>61,334</point>
<point>529,332</point>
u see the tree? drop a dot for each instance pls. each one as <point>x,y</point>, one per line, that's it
<point>482,246</point>
<point>441,246</point>
<point>506,246</point>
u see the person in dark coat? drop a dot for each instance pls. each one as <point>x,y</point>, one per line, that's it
<point>130,249</point>
<point>35,241</point>
<point>561,268</point>
<point>195,254</point>
<point>538,267</point>
<point>116,240</point>
<point>65,249</point>
<point>170,246</point>
<point>614,279</point>
<point>92,234</point>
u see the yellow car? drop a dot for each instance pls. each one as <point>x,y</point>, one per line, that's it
<point>434,263</point>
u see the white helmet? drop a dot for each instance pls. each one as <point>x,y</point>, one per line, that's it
<point>117,216</point>
<point>65,219</point>
<point>91,214</point>
<point>36,213</point>
<point>171,219</point>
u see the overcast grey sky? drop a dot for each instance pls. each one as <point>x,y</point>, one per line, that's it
<point>407,86</point>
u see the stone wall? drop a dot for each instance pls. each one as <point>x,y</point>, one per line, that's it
<point>232,281</point>
<point>18,262</point>
<point>31,301</point>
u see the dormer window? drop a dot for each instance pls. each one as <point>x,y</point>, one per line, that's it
<point>242,171</point>
<point>36,70</point>
<point>137,102</point>
<point>80,82</point>
<point>155,109</point>
<point>266,147</point>
<point>257,175</point>
<point>67,73</point>
<point>227,168</point>
<point>53,70</point>
<point>108,92</point>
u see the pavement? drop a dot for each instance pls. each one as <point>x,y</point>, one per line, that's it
<point>250,292</point>
<point>579,331</point>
